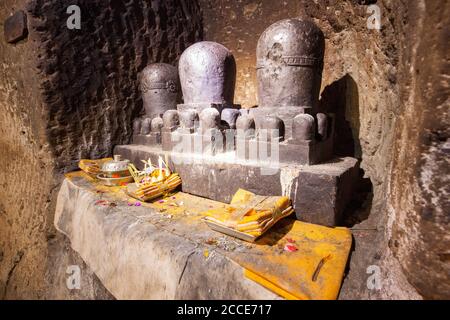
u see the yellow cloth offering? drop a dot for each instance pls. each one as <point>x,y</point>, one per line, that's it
<point>249,214</point>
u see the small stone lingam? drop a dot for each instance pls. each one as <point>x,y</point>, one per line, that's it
<point>207,76</point>
<point>160,89</point>
<point>289,71</point>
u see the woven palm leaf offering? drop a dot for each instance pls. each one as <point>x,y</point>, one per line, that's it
<point>248,216</point>
<point>152,182</point>
<point>92,167</point>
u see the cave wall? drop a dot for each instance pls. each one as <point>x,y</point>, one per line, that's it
<point>419,206</point>
<point>65,95</point>
<point>26,190</point>
<point>93,72</point>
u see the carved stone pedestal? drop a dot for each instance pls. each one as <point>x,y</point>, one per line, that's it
<point>149,139</point>
<point>319,193</point>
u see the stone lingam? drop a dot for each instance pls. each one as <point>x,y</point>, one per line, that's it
<point>289,71</point>
<point>208,75</point>
<point>284,146</point>
<point>160,89</point>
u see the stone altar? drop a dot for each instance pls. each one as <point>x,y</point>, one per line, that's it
<point>283,146</point>
<point>165,250</point>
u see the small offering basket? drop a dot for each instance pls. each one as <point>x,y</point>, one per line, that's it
<point>152,182</point>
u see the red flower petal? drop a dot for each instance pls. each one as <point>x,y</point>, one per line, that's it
<point>290,248</point>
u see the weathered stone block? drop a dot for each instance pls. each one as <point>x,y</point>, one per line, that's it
<point>136,256</point>
<point>289,152</point>
<point>15,28</point>
<point>306,152</point>
<point>166,138</point>
<point>153,138</point>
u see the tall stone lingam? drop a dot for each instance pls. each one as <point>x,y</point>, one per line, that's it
<point>207,75</point>
<point>289,58</point>
<point>289,65</point>
<point>289,71</point>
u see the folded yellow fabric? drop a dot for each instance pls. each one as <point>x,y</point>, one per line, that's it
<point>250,213</point>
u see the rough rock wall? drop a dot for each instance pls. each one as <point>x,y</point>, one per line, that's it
<point>25,166</point>
<point>91,74</point>
<point>67,94</point>
<point>366,82</point>
<point>420,186</point>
